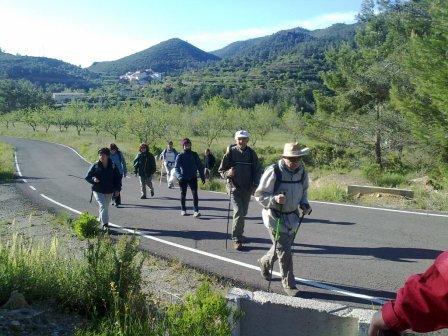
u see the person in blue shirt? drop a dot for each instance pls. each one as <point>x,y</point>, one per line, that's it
<point>186,169</point>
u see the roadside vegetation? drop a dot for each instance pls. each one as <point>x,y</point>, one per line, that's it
<point>6,162</point>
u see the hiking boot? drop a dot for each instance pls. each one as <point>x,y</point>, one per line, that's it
<point>291,291</point>
<point>152,193</point>
<point>143,197</point>
<point>237,245</point>
<point>183,213</point>
<point>265,273</point>
<point>196,214</point>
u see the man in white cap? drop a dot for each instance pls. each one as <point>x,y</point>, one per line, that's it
<point>240,165</point>
<point>282,191</point>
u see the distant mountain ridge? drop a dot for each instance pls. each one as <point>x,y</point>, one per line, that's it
<point>170,56</point>
<point>44,71</point>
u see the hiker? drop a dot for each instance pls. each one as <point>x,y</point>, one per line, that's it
<point>145,167</point>
<point>420,305</point>
<point>241,167</point>
<point>105,179</point>
<point>168,156</point>
<point>282,190</point>
<point>118,160</point>
<point>186,168</point>
<point>209,163</point>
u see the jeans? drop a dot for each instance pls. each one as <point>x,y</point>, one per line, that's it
<point>193,184</point>
<point>145,181</point>
<point>103,204</point>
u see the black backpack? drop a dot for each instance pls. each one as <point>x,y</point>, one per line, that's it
<point>278,178</point>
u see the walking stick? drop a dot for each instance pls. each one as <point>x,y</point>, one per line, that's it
<point>161,172</point>
<point>295,233</point>
<point>276,237</point>
<point>228,212</point>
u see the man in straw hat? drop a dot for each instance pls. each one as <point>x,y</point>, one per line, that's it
<point>282,191</point>
<point>241,167</point>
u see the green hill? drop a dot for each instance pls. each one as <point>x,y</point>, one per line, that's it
<point>170,56</point>
<point>45,72</point>
<point>282,68</point>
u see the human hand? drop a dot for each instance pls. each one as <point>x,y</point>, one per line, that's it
<point>116,193</point>
<point>96,180</point>
<point>306,209</point>
<point>203,181</point>
<point>231,172</point>
<point>377,325</point>
<point>280,199</point>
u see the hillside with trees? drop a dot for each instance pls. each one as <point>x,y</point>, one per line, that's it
<point>44,72</point>
<point>171,56</point>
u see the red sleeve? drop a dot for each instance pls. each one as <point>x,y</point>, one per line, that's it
<point>422,304</point>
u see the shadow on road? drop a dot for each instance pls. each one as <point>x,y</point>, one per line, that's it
<point>398,254</point>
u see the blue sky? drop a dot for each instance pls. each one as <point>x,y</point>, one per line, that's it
<point>81,32</point>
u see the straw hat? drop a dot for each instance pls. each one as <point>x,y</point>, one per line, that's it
<point>294,150</point>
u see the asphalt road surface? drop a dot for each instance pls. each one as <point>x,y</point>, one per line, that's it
<point>355,255</point>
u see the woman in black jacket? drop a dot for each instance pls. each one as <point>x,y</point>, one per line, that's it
<point>105,179</point>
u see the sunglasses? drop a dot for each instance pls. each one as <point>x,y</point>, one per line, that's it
<point>293,159</point>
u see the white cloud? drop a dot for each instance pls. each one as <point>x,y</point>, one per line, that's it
<point>212,41</point>
<point>79,44</point>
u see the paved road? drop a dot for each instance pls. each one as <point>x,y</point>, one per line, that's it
<point>351,249</point>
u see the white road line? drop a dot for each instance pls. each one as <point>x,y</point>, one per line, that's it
<point>382,209</point>
<point>32,188</point>
<point>17,165</point>
<point>60,204</point>
<point>72,149</point>
<point>232,261</point>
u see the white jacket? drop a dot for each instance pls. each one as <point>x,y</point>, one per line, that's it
<point>294,186</point>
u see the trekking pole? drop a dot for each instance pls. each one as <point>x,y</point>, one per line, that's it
<point>276,237</point>
<point>228,212</point>
<point>295,233</point>
<point>161,172</point>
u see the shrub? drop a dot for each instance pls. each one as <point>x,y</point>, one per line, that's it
<point>86,225</point>
<point>377,176</point>
<point>203,313</point>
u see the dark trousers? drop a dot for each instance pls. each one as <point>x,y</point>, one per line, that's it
<point>193,184</point>
<point>117,199</point>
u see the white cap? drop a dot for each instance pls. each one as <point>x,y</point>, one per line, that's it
<point>242,134</point>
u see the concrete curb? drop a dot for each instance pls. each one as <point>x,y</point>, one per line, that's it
<point>274,314</point>
<point>358,189</point>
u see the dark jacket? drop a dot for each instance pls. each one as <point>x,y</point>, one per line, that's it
<point>110,178</point>
<point>247,166</point>
<point>209,161</point>
<point>187,165</point>
<point>144,164</point>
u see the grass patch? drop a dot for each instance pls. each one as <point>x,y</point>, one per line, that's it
<point>330,192</point>
<point>213,185</point>
<point>6,162</point>
<point>430,200</point>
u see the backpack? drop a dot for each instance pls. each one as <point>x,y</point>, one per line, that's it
<point>279,180</point>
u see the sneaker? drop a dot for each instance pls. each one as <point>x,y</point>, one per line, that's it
<point>265,273</point>
<point>143,197</point>
<point>196,214</point>
<point>291,291</point>
<point>105,227</point>
<point>170,186</point>
<point>237,246</point>
<point>152,193</point>
<point>183,213</point>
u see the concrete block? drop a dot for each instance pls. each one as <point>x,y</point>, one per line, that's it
<point>357,189</point>
<point>274,314</point>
